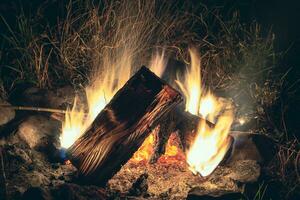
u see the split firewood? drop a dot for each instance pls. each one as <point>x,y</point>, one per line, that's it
<point>122,126</point>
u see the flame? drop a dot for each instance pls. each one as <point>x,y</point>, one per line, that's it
<point>191,86</point>
<point>103,87</point>
<point>73,125</point>
<point>158,63</point>
<point>210,144</point>
<point>145,151</point>
<point>172,152</point>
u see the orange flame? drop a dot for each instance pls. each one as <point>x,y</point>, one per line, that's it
<point>145,151</point>
<point>172,153</point>
<point>210,144</point>
<point>103,87</point>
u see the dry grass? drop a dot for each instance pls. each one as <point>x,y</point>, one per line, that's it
<point>289,166</point>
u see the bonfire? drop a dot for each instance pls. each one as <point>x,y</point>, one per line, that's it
<point>141,100</point>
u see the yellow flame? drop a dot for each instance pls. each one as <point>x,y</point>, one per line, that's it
<point>191,86</point>
<point>158,63</point>
<point>73,125</point>
<point>145,151</point>
<point>105,84</point>
<point>172,152</point>
<point>210,144</point>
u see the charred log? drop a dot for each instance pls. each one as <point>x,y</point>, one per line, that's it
<point>181,122</point>
<point>122,126</point>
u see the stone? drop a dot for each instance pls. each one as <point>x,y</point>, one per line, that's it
<point>59,98</point>
<point>39,131</point>
<point>250,146</point>
<point>6,114</point>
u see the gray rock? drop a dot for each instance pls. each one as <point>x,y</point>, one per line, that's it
<point>39,131</point>
<point>227,182</point>
<point>249,146</point>
<point>6,114</point>
<point>57,98</point>
<point>61,97</point>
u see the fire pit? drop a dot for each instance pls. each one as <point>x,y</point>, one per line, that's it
<point>141,100</point>
<point>142,145</point>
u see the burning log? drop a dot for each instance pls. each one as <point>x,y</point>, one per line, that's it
<point>122,126</point>
<point>180,121</point>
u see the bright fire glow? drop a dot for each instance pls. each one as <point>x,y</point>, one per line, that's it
<point>210,144</point>
<point>145,151</point>
<point>105,84</point>
<point>172,153</point>
<point>191,86</point>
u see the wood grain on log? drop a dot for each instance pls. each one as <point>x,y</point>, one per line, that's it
<point>122,126</point>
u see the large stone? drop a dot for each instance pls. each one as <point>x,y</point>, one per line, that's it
<point>36,97</point>
<point>6,114</point>
<point>61,97</point>
<point>39,131</point>
<point>249,146</point>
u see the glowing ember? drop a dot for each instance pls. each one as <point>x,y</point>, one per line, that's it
<point>67,162</point>
<point>172,153</point>
<point>145,151</point>
<point>210,144</point>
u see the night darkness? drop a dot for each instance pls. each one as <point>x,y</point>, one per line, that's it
<point>51,50</point>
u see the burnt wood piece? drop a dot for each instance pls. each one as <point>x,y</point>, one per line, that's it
<point>122,126</point>
<point>180,121</point>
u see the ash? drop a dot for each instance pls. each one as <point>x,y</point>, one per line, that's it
<point>175,181</point>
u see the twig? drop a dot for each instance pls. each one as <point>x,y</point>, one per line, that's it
<point>34,109</point>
